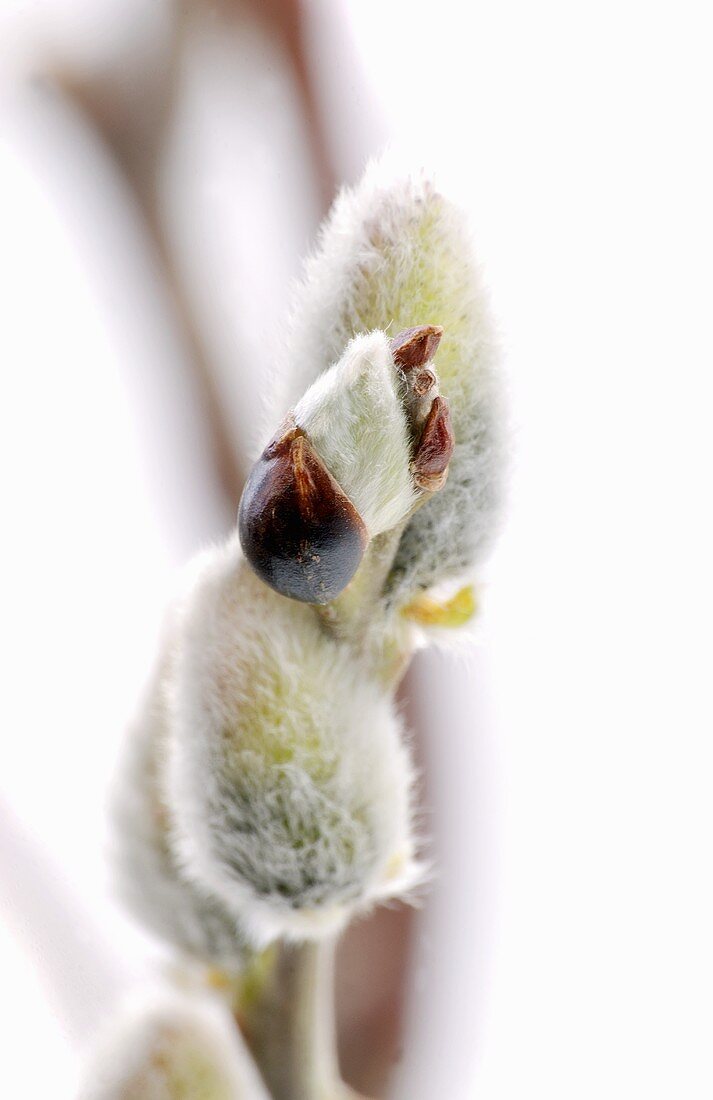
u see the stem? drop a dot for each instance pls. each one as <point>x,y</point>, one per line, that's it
<point>289,1025</point>
<point>350,616</point>
<point>360,615</point>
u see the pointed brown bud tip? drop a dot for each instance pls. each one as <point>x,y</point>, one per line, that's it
<point>414,347</point>
<point>430,463</point>
<point>299,531</point>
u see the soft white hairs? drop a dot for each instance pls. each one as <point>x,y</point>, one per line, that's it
<point>166,1044</point>
<point>289,781</point>
<point>149,878</point>
<point>395,253</point>
<point>354,418</point>
<point>276,757</point>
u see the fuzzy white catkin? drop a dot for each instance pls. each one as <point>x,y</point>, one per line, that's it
<point>148,876</point>
<point>171,1045</point>
<point>354,418</point>
<point>289,780</point>
<point>267,787</point>
<point>395,253</point>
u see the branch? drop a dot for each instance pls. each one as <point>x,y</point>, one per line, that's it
<point>288,1024</point>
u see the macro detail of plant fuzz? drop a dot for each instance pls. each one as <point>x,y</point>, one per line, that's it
<point>266,796</point>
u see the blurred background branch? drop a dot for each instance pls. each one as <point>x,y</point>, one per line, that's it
<point>133,105</point>
<point>135,101</point>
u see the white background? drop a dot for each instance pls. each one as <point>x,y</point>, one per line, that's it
<point>566,950</point>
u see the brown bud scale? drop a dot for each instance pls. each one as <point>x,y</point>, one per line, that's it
<point>430,463</point>
<point>414,347</point>
<point>298,529</point>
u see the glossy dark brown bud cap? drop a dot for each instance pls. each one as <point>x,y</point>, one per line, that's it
<point>298,529</point>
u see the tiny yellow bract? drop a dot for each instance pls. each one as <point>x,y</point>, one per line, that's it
<point>452,613</point>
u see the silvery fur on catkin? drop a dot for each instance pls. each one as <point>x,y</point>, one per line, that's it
<point>289,782</point>
<point>166,1044</point>
<point>393,254</point>
<point>148,876</point>
<point>354,417</point>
